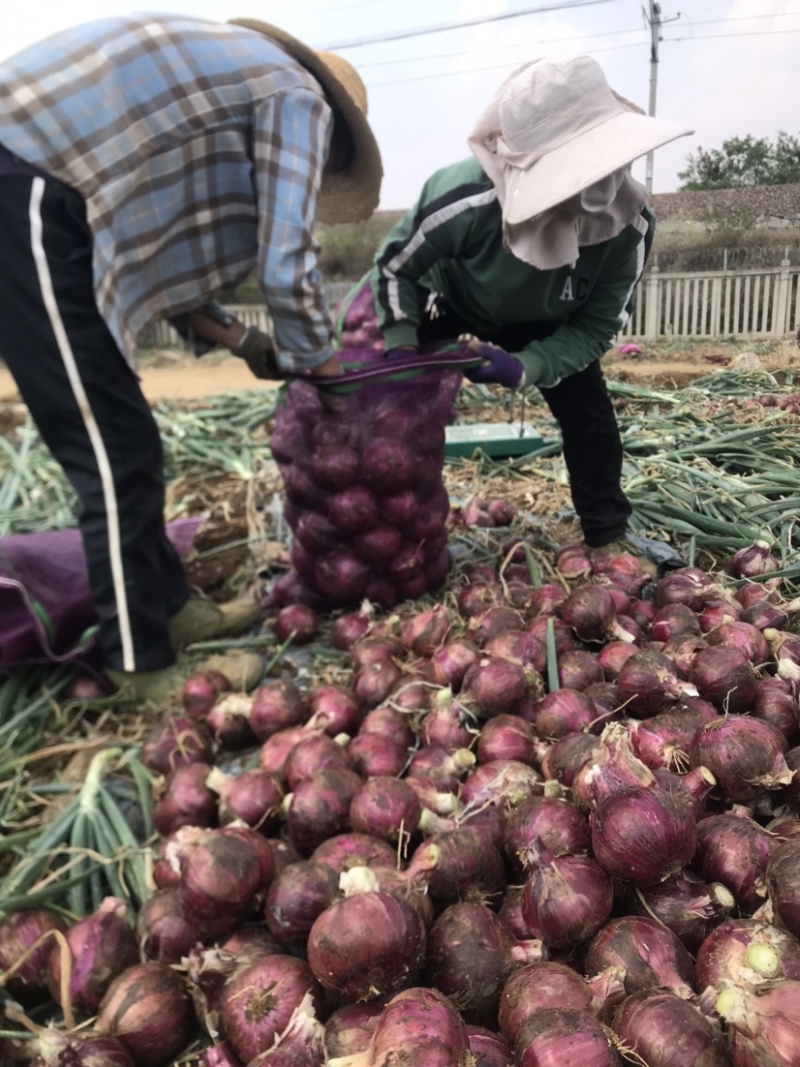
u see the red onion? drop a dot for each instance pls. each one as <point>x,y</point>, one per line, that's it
<point>165,933</point>
<point>466,862</point>
<point>387,465</point>
<point>775,704</point>
<point>452,661</point>
<point>506,737</point>
<point>590,611</point>
<point>648,683</point>
<point>752,592</point>
<point>642,835</point>
<point>651,956</point>
<point>344,851</point>
<point>277,705</point>
<point>253,796</point>
<point>447,723</point>
<point>186,801</point>
<point>200,691</point>
<point>686,905</point>
<point>350,1028</point>
<point>754,560</point>
<point>562,712</point>
<point>427,631</point>
<point>743,638</point>
<point>495,686</point>
<point>578,669</point>
<point>785,649</point>
<point>491,622</point>
<point>385,807</point>
<point>689,586</point>
<point>83,1048</point>
<point>765,616</point>
<point>717,611</point>
<point>251,940</point>
<point>681,651</point>
<point>348,629</point>
<point>149,1011</point>
<point>353,510</point>
<point>544,827</point>
<point>297,897</point>
<point>572,562</point>
<point>301,1044</point>
<point>643,612</point>
<point>335,709</point>
<point>614,768</point>
<point>229,721</point>
<point>673,620</point>
<point>733,849</point>
<point>690,789</point>
<point>744,754</point>
<point>418,1025</point>
<point>611,658</point>
<point>746,952</point>
<point>539,986</point>
<point>414,692</point>
<point>390,723</point>
<point>19,932</point>
<point>335,466</point>
<point>664,741</point>
<point>666,1031</point>
<point>567,898</point>
<point>545,600</point>
<point>221,1055</point>
<point>374,681</point>
<point>560,1036</point>
<point>367,945</point>
<point>505,783</point>
<point>441,765</point>
<point>297,623</point>
<point>621,569</point>
<point>724,678</point>
<point>764,1026</point>
<point>260,999</point>
<point>468,959</point>
<point>176,740</point>
<point>320,808</point>
<point>488,1049</point>
<point>313,754</point>
<point>519,646</point>
<point>563,760</point>
<point>783,885</point>
<point>219,873</point>
<point>372,755</point>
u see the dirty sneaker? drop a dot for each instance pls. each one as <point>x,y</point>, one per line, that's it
<point>243,670</point>
<point>202,620</point>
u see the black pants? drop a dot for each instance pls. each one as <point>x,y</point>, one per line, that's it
<point>582,408</point>
<point>89,408</point>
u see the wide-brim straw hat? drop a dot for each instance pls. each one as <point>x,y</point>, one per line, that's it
<point>556,127</point>
<point>352,193</point>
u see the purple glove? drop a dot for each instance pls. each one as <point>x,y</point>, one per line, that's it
<point>498,367</point>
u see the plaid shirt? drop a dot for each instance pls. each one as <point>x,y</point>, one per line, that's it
<point>198,148</point>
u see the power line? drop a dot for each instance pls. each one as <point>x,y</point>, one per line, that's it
<point>722,36</point>
<point>399,35</point>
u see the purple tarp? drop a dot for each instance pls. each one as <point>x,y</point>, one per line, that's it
<point>46,611</point>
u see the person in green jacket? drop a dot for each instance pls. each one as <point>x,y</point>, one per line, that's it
<point>534,246</point>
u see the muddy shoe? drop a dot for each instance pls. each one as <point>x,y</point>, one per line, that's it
<point>202,620</point>
<point>243,670</point>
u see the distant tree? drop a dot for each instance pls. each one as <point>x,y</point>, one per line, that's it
<point>744,161</point>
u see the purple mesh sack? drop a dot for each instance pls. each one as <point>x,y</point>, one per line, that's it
<point>356,319</point>
<point>362,473</point>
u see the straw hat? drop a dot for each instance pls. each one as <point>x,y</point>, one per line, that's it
<point>350,194</point>
<point>554,128</point>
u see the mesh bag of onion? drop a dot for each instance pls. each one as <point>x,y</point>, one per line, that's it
<point>364,495</point>
<point>356,321</point>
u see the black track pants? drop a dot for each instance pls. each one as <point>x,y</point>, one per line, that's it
<point>582,408</point>
<point>89,408</point>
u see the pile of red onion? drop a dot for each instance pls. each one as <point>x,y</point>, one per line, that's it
<point>452,856</point>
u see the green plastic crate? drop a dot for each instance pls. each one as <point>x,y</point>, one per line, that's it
<point>495,439</point>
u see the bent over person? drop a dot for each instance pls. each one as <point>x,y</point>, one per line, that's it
<point>535,246</point>
<point>147,162</point>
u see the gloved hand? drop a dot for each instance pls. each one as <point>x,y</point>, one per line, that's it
<point>498,368</point>
<point>258,352</point>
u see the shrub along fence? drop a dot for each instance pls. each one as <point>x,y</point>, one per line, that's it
<point>756,303</point>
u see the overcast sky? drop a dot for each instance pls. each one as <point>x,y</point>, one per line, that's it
<point>727,67</point>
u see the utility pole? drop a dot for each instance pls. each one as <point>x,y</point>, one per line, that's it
<point>655,22</point>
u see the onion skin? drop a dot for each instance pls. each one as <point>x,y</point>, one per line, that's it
<point>536,986</point>
<point>148,1009</point>
<point>488,1049</point>
<point>18,933</point>
<point>783,885</point>
<point>651,956</point>
<point>349,1029</point>
<point>666,1031</point>
<point>568,899</point>
<point>83,1048</point>
<point>733,849</point>
<point>663,742</point>
<point>642,835</point>
<point>544,827</point>
<point>176,740</point>
<point>259,999</point>
<point>564,1036</point>
<point>563,760</point>
<point>744,754</point>
<point>725,679</point>
<point>366,946</point>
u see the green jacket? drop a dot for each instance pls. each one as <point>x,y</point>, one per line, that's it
<point>451,243</point>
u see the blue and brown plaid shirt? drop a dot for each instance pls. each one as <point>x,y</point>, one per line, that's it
<point>198,148</point>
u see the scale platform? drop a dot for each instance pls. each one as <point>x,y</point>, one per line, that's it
<point>494,439</point>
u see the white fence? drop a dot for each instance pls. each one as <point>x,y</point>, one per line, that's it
<point>719,303</point>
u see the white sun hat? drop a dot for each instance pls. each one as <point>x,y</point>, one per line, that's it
<point>554,128</point>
